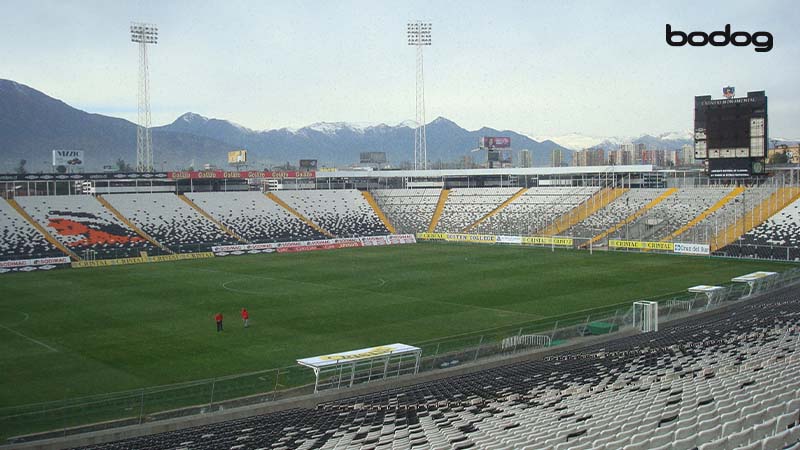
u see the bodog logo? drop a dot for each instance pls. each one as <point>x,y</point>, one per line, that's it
<point>762,40</point>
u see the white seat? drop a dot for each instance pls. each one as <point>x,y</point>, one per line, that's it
<point>740,438</point>
<point>717,444</point>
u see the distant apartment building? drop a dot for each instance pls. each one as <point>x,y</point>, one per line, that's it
<point>524,158</point>
<point>687,155</point>
<point>557,158</point>
<point>619,157</point>
<point>589,157</point>
<point>639,154</point>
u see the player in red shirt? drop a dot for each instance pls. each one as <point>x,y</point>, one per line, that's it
<point>245,317</point>
<point>218,318</point>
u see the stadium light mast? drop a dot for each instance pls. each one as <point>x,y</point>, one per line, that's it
<point>144,34</point>
<point>419,35</point>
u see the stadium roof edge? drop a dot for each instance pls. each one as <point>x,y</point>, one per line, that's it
<point>450,173</point>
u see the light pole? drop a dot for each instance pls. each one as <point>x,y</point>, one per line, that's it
<point>143,34</point>
<point>419,35</point>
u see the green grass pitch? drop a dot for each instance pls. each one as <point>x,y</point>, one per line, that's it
<point>71,333</point>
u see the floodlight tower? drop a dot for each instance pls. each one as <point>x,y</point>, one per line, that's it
<point>419,35</point>
<point>144,34</point>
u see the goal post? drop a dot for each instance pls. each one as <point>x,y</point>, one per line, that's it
<point>645,316</point>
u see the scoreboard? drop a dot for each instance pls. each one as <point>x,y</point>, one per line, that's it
<point>731,133</point>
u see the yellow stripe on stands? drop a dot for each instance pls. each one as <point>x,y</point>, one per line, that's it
<point>208,216</point>
<point>634,216</point>
<point>371,200</point>
<point>781,198</point>
<point>502,206</point>
<point>130,224</point>
<point>285,206</point>
<point>723,201</point>
<point>595,203</point>
<point>42,230</point>
<point>439,209</point>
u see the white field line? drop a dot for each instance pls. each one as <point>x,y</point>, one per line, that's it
<point>30,339</point>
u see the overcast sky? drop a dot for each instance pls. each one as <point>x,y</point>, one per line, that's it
<point>543,67</point>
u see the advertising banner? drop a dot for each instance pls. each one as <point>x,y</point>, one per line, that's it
<point>27,265</point>
<point>144,258</point>
<point>545,240</point>
<point>432,236</point>
<point>492,239</point>
<point>370,241</point>
<point>616,243</point>
<point>692,249</point>
<point>509,240</point>
<point>237,174</point>
<point>460,237</point>
<point>69,158</point>
<point>495,142</point>
<point>322,244</point>
<point>308,165</point>
<point>237,157</point>
<point>401,239</point>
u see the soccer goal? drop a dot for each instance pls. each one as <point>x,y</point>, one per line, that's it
<point>645,316</point>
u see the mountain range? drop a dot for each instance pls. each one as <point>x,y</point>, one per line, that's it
<point>32,124</point>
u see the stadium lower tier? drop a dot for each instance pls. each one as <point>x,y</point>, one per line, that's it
<point>724,380</point>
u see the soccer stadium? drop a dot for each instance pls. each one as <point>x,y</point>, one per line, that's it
<point>418,286</point>
<point>452,317</point>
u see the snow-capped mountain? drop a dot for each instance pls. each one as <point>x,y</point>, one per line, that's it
<point>32,123</point>
<point>578,141</point>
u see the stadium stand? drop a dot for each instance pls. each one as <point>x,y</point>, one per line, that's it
<point>615,212</point>
<point>465,206</point>
<point>704,230</point>
<point>170,221</point>
<point>254,217</point>
<point>343,213</point>
<point>535,210</point>
<point>725,379</point>
<point>19,239</point>
<point>672,213</point>
<point>409,210</point>
<point>81,223</point>
<point>777,238</point>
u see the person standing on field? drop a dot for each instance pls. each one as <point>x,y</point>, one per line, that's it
<point>245,317</point>
<point>218,318</point>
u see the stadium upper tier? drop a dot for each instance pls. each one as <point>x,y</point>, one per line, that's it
<point>723,380</point>
<point>19,239</point>
<point>409,210</point>
<point>254,216</point>
<point>120,225</point>
<point>170,221</point>
<point>536,209</point>
<point>81,223</point>
<point>467,205</point>
<point>343,213</point>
